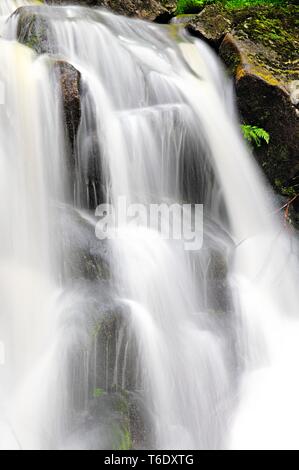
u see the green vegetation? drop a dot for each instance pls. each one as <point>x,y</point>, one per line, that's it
<point>191,6</point>
<point>255,135</point>
<point>289,191</point>
<point>98,392</point>
<point>125,440</point>
<point>195,6</point>
<point>234,4</point>
<point>122,433</point>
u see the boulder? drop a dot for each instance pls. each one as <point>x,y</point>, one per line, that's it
<point>211,24</point>
<point>69,79</point>
<point>259,46</point>
<point>144,9</point>
<point>34,31</point>
<point>260,53</point>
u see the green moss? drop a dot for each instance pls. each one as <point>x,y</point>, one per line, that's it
<point>195,6</point>
<point>125,440</point>
<point>192,6</point>
<point>237,4</point>
<point>98,393</point>
<point>122,433</point>
<point>271,39</point>
<point>33,31</point>
<point>289,191</point>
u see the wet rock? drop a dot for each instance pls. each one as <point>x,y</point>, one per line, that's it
<point>259,47</point>
<point>115,357</point>
<point>260,53</point>
<point>69,79</point>
<point>211,24</point>
<point>91,190</point>
<point>145,9</point>
<point>33,30</point>
<point>85,257</point>
<point>111,402</point>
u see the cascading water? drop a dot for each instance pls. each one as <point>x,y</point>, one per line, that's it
<point>31,175</point>
<point>197,347</point>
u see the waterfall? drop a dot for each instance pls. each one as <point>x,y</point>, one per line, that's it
<point>200,345</point>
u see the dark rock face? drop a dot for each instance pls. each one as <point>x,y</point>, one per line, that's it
<point>69,79</point>
<point>259,47</point>
<point>35,32</point>
<point>145,9</point>
<point>267,102</point>
<point>265,71</point>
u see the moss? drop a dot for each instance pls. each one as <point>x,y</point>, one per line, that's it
<point>98,392</point>
<point>122,438</point>
<point>237,4</point>
<point>289,191</point>
<point>122,433</point>
<point>191,6</point>
<point>274,37</point>
<point>33,30</point>
<point>195,6</point>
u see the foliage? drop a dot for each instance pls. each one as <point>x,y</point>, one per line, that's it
<point>289,191</point>
<point>194,6</point>
<point>191,6</point>
<point>234,4</point>
<point>255,135</point>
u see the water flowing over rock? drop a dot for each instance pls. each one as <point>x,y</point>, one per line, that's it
<point>139,339</point>
<point>69,79</point>
<point>34,31</point>
<point>144,9</point>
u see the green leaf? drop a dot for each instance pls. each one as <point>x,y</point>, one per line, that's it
<point>255,135</point>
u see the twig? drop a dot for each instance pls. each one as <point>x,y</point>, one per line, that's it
<point>287,205</point>
<point>286,209</point>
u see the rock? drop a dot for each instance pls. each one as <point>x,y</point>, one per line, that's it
<point>211,24</point>
<point>144,9</point>
<point>261,53</point>
<point>33,30</point>
<point>259,47</point>
<point>69,79</point>
<point>86,259</point>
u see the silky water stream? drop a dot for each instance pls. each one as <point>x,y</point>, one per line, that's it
<point>137,341</point>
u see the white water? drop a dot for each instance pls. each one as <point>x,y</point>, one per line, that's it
<point>7,7</point>
<point>216,329</point>
<point>31,179</point>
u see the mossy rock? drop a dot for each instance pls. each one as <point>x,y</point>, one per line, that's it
<point>122,421</point>
<point>270,39</point>
<point>261,54</point>
<point>116,359</point>
<point>211,24</point>
<point>259,46</point>
<point>33,29</point>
